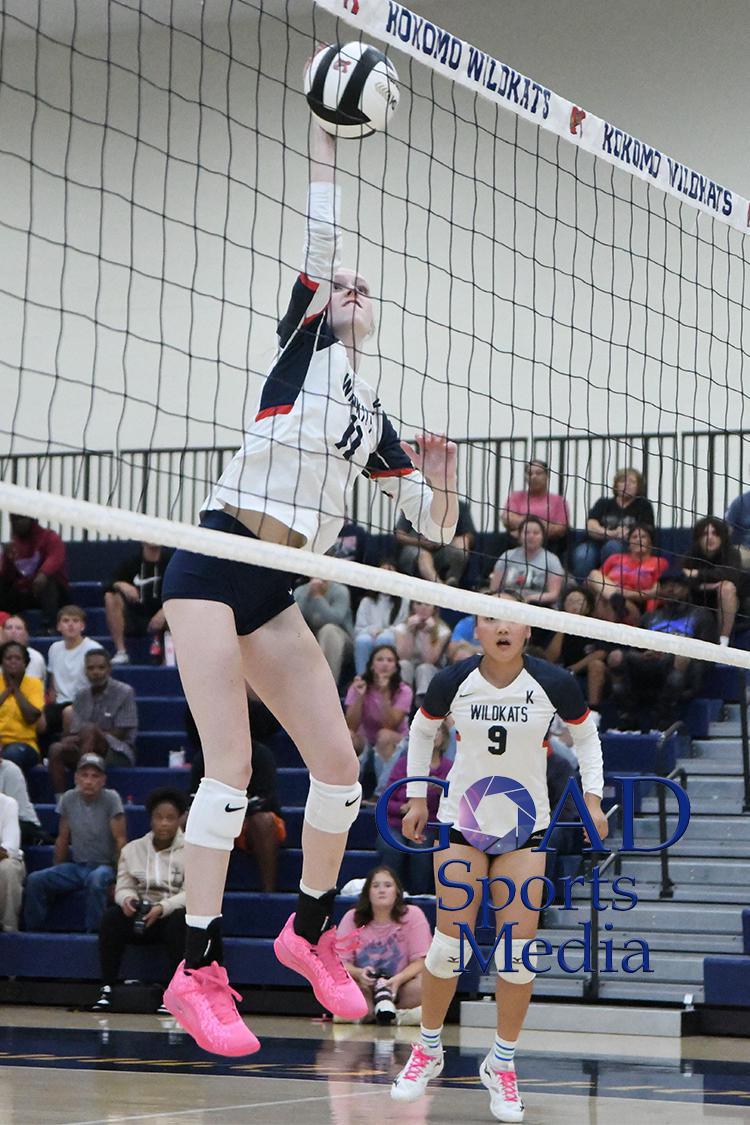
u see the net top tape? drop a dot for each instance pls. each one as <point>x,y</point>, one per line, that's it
<point>417,36</point>
<point>132,525</point>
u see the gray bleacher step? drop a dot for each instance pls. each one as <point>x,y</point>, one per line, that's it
<point>701,944</point>
<point>702,827</point>
<point>682,892</point>
<point>714,788</point>
<point>690,848</point>
<point>725,730</point>
<point>700,806</point>
<point>647,990</point>
<point>710,767</point>
<point>599,1019</point>
<point>720,746</point>
<point>666,915</point>
<point>705,872</point>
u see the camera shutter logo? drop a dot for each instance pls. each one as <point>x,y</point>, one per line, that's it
<point>516,794</point>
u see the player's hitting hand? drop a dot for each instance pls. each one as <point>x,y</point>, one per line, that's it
<point>436,458</point>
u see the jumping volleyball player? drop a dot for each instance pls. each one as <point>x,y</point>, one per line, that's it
<point>502,703</point>
<point>317,427</point>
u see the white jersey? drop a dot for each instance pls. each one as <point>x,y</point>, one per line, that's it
<point>318,425</point>
<point>497,787</point>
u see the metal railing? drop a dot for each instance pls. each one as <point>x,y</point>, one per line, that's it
<point>745,740</point>
<point>614,859</point>
<point>688,474</point>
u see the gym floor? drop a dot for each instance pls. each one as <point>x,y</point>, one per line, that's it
<point>91,1070</point>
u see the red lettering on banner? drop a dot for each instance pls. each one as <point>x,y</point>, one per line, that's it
<point>576,120</point>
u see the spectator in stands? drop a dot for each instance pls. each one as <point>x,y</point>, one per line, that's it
<point>13,784</point>
<point>32,570</point>
<point>436,563</point>
<point>536,500</point>
<point>393,939</point>
<point>21,707</point>
<point>377,709</point>
<point>104,721</point>
<point>738,518</point>
<point>67,670</point>
<point>421,643</point>
<point>376,621</point>
<point>647,686</point>
<point>582,657</point>
<point>713,567</point>
<point>414,868</point>
<point>610,521</point>
<point>264,830</point>
<point>132,603</point>
<point>14,629</point>
<point>634,575</point>
<point>326,607</point>
<point>351,543</point>
<point>12,869</point>
<point>149,907</point>
<point>92,829</point>
<point>529,570</point>
<point>464,641</point>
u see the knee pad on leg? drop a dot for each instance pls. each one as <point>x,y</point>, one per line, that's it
<point>216,815</point>
<point>332,808</point>
<point>519,974</point>
<point>444,956</point>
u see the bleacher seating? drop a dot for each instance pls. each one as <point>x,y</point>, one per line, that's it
<point>252,919</point>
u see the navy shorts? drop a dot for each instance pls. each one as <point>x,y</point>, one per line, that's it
<point>255,594</point>
<point>533,841</point>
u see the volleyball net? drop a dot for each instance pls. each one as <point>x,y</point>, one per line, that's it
<point>546,284</point>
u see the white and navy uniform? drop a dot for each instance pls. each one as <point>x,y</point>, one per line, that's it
<point>497,787</point>
<point>317,427</point>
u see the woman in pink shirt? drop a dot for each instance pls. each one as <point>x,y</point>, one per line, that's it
<point>537,500</point>
<point>633,574</point>
<point>392,943</point>
<point>377,708</point>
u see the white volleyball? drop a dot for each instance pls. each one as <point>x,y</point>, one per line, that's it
<point>352,89</point>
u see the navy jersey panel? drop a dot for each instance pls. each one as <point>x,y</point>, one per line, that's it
<point>442,689</point>
<point>299,339</point>
<point>389,458</point>
<point>563,690</point>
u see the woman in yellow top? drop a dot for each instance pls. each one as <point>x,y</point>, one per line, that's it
<point>21,707</point>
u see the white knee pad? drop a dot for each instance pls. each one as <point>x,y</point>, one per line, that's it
<point>332,808</point>
<point>520,974</point>
<point>216,815</point>
<point>444,956</point>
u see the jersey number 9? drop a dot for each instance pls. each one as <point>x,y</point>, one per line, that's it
<point>498,737</point>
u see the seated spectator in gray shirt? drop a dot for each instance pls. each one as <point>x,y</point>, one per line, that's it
<point>104,722</point>
<point>13,784</point>
<point>92,828</point>
<point>530,570</point>
<point>327,609</point>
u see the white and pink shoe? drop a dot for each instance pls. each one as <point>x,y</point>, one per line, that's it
<point>411,1082</point>
<point>505,1101</point>
<point>323,967</point>
<point>202,1001</point>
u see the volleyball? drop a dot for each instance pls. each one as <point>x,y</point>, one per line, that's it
<point>352,89</point>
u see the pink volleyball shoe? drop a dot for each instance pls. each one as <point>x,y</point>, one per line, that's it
<point>321,964</point>
<point>202,1001</point>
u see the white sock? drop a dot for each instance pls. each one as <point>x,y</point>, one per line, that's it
<point>724,642</point>
<point>200,921</point>
<point>431,1040</point>
<point>503,1052</point>
<point>310,892</point>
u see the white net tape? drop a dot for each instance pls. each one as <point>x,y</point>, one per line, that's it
<point>131,525</point>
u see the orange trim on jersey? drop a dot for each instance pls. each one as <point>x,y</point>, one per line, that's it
<point>458,736</point>
<point>435,718</point>
<point>583,718</point>
<point>391,472</point>
<point>271,410</point>
<point>308,282</point>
